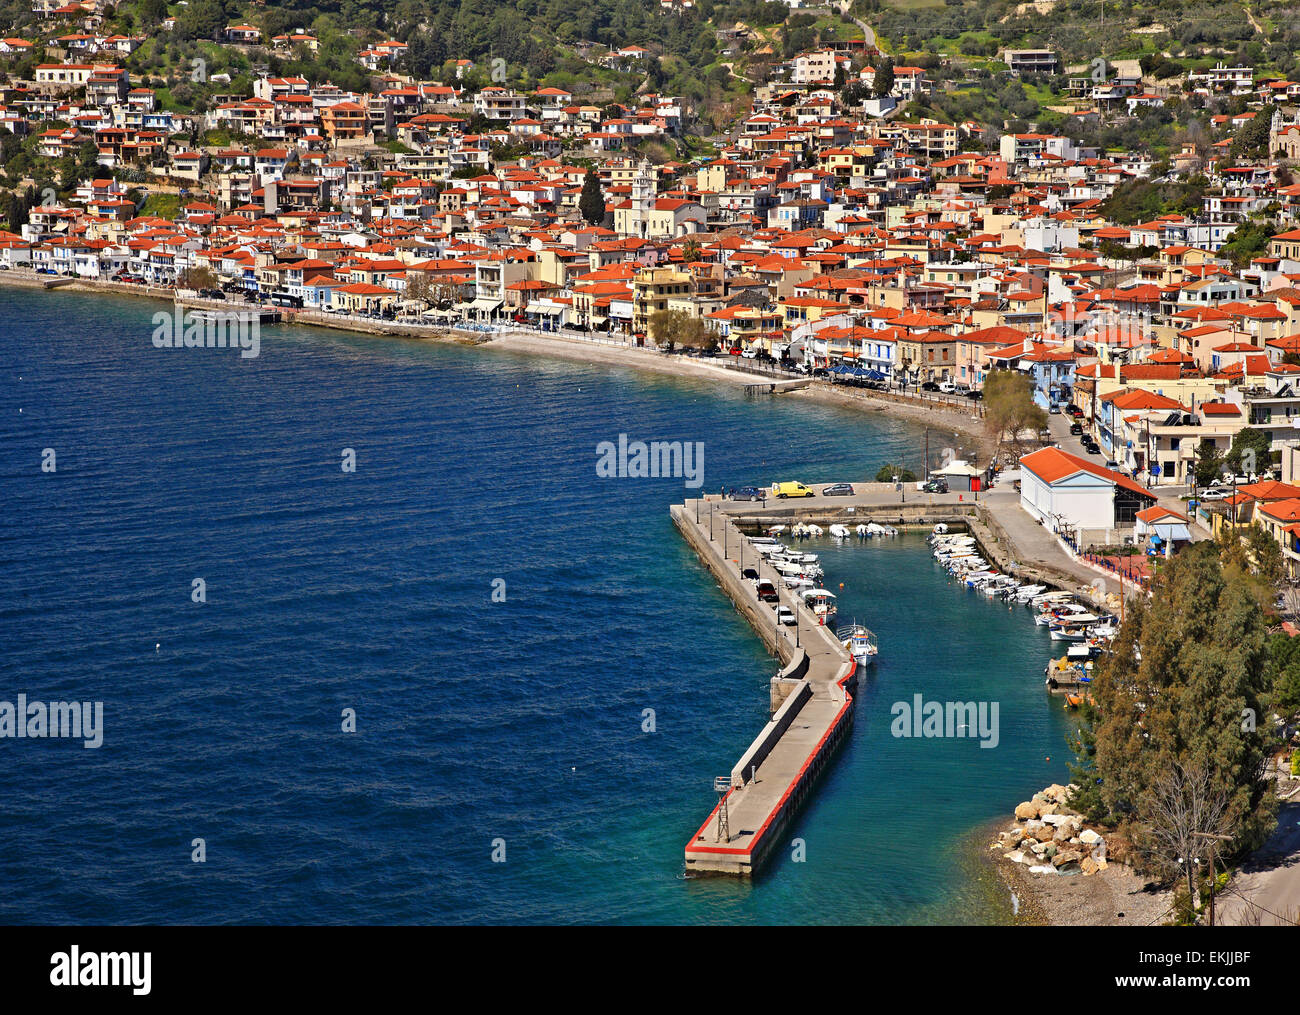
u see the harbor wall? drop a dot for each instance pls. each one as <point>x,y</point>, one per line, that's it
<point>789,756</point>
<point>765,741</point>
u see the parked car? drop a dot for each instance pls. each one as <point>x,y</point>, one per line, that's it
<point>1076,429</point>
<point>1092,449</point>
<point>784,615</point>
<point>935,486</point>
<point>1054,409</point>
<point>747,493</point>
<point>766,591</point>
<point>783,490</point>
<point>838,490</point>
<point>749,574</point>
<point>975,395</point>
<point>929,386</point>
<point>1112,464</point>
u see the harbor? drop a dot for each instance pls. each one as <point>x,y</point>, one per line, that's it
<point>812,697</point>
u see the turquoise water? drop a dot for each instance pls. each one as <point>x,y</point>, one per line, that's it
<point>478,722</point>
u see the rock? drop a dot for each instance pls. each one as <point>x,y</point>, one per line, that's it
<point>1056,793</point>
<point>1016,856</point>
<point>1055,820</point>
<point>1028,809</point>
<point>1032,828</point>
<point>1089,838</point>
<point>1088,865</point>
<point>1065,857</point>
<point>1042,870</point>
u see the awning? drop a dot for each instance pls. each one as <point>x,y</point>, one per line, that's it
<point>483,303</point>
<point>542,308</point>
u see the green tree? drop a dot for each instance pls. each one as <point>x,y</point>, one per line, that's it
<point>591,202</point>
<point>1009,406</point>
<point>883,82</point>
<point>887,473</point>
<point>1182,690</point>
<point>1251,451</point>
<point>1209,463</point>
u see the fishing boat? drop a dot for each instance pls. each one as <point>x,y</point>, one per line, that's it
<point>821,602</point>
<point>1063,632</point>
<point>860,642</point>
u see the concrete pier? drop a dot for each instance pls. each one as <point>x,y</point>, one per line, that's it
<point>812,700</point>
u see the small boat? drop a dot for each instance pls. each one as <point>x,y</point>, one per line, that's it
<point>820,601</point>
<point>940,529</point>
<point>840,531</point>
<point>862,531</point>
<point>775,530</point>
<point>1064,633</point>
<point>814,530</point>
<point>860,642</point>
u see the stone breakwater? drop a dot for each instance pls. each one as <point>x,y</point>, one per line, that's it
<point>1051,838</point>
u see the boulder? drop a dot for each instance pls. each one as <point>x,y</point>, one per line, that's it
<point>1055,820</point>
<point>1042,870</point>
<point>1088,865</point>
<point>1029,809</point>
<point>1015,856</point>
<point>1032,828</point>
<point>1066,857</point>
<point>1089,838</point>
<point>1056,793</point>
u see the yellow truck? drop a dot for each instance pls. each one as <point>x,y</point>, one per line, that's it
<point>783,490</point>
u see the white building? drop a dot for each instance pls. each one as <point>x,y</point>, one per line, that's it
<point>1072,496</point>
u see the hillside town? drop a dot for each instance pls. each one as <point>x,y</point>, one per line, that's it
<point>825,233</point>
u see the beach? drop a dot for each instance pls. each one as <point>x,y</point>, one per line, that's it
<point>933,412</point>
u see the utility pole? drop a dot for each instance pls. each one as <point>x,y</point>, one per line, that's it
<point>1214,855</point>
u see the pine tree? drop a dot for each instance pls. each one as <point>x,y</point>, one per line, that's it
<point>591,203</point>
<point>1183,686</point>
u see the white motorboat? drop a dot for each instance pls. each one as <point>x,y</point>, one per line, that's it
<point>840,531</point>
<point>940,529</point>
<point>814,530</point>
<point>1066,633</point>
<point>797,581</point>
<point>1027,592</point>
<point>860,642</point>
<point>862,531</point>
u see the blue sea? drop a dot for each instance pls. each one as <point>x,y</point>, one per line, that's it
<point>499,771</point>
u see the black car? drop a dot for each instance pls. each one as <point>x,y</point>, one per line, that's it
<point>1092,449</point>
<point>975,396</point>
<point>1076,429</point>
<point>930,386</point>
<point>838,490</point>
<point>747,493</point>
